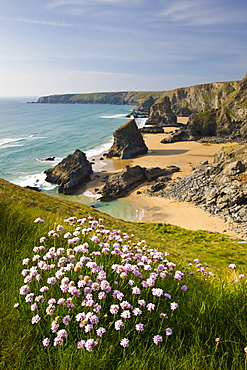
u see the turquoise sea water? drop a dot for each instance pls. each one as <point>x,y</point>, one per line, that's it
<point>30,133</point>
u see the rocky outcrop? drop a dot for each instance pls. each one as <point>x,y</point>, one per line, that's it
<point>161,114</point>
<point>198,98</point>
<point>71,173</point>
<point>228,122</point>
<point>144,105</point>
<point>128,142</point>
<point>152,130</point>
<point>219,188</point>
<point>120,184</point>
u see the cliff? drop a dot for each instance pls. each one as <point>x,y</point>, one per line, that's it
<point>225,119</point>
<point>121,98</point>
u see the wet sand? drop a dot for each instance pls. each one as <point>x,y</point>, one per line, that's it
<point>185,155</point>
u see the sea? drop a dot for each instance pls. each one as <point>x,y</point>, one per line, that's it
<point>31,133</point>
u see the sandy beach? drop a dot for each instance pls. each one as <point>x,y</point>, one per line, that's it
<point>185,155</point>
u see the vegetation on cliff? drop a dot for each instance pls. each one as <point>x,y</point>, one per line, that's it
<point>201,326</point>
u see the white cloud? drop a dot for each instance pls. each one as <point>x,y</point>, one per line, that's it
<point>44,22</point>
<point>203,13</point>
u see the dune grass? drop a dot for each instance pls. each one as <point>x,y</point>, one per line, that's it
<point>212,307</point>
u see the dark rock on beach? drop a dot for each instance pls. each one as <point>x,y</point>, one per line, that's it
<point>71,173</point>
<point>120,184</point>
<point>128,142</point>
<point>152,130</point>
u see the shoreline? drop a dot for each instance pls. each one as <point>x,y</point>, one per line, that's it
<point>186,155</point>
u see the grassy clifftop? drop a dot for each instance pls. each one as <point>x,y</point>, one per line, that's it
<point>203,328</point>
<point>125,97</point>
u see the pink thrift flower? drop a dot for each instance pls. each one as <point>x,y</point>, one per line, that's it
<point>168,331</point>
<point>157,339</point>
<point>37,220</point>
<point>139,327</point>
<point>119,324</point>
<point>100,331</point>
<point>24,289</point>
<point>163,316</point>
<point>245,350</point>
<point>173,306</point>
<point>16,305</point>
<point>124,342</point>
<point>136,290</point>
<point>35,319</point>
<point>46,342</point>
<point>150,306</point>
<point>217,340</point>
<point>81,344</point>
<point>126,314</point>
<point>142,303</point>
<point>66,320</point>
<point>232,266</point>
<point>136,311</point>
<point>184,288</point>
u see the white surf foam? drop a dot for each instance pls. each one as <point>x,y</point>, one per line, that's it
<point>114,116</point>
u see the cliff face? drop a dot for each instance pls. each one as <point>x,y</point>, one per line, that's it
<point>121,98</point>
<point>228,121</point>
<point>161,114</point>
<point>195,99</point>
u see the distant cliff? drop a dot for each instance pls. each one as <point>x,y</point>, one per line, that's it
<point>121,98</point>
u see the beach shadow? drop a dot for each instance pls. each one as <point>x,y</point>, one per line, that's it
<point>167,152</point>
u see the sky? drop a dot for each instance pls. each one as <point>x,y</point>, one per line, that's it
<point>78,46</point>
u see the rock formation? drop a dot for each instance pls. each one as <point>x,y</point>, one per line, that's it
<point>161,114</point>
<point>120,184</point>
<point>152,130</point>
<point>228,122</point>
<point>219,188</point>
<point>71,173</point>
<point>128,142</point>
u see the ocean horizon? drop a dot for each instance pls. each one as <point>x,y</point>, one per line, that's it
<point>30,133</point>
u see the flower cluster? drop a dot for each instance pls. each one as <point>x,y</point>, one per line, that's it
<point>84,282</point>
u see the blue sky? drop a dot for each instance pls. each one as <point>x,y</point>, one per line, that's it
<point>72,46</point>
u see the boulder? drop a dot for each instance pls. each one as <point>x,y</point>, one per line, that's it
<point>71,173</point>
<point>128,142</point>
<point>161,114</point>
<point>119,184</point>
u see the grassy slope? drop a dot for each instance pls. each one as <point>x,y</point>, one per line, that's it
<point>18,234</point>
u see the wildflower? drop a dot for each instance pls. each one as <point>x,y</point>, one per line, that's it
<point>167,295</point>
<point>184,288</point>
<point>124,342</point>
<point>66,320</point>
<point>217,340</point>
<point>163,316</point>
<point>150,306</point>
<point>24,289</point>
<point>46,342</point>
<point>34,307</point>
<point>126,314</point>
<point>37,220</point>
<point>157,339</point>
<point>168,331</point>
<point>136,290</point>
<point>241,276</point>
<point>35,319</point>
<point>62,333</point>
<point>245,350</point>
<point>139,327</point>
<point>89,344</point>
<point>100,331</point>
<point>81,344</point>
<point>119,324</point>
<point>142,303</point>
<point>16,305</point>
<point>232,266</point>
<point>157,292</point>
<point>136,311</point>
<point>173,306</point>
<point>25,261</point>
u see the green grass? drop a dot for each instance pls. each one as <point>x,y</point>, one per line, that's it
<point>210,309</point>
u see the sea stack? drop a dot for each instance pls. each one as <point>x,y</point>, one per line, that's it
<point>128,142</point>
<point>71,173</point>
